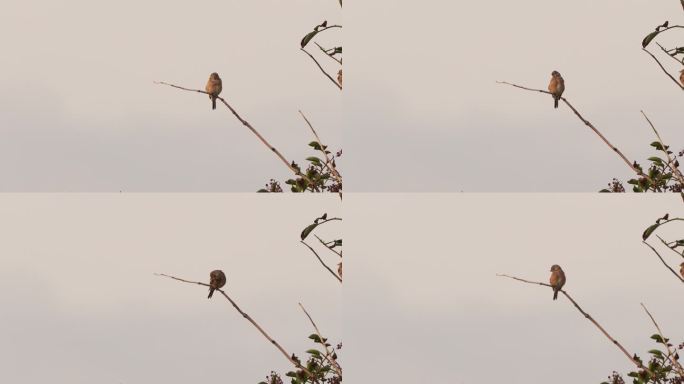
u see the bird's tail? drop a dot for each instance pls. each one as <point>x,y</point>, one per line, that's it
<point>555,294</point>
<point>555,102</point>
<point>211,292</point>
<point>213,103</point>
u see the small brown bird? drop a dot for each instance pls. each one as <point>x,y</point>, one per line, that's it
<point>681,76</point>
<point>339,268</point>
<point>557,279</point>
<point>681,270</point>
<point>339,76</point>
<point>217,279</point>
<point>213,88</point>
<point>556,87</point>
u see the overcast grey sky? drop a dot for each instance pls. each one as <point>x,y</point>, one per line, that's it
<point>423,303</point>
<point>423,111</point>
<point>80,111</point>
<point>80,303</point>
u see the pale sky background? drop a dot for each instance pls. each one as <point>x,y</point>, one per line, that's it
<point>423,304</point>
<point>80,303</point>
<point>80,111</point>
<point>423,111</point>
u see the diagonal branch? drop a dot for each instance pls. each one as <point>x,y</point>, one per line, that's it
<point>328,162</point>
<point>670,354</point>
<point>663,68</point>
<point>332,362</point>
<point>664,263</point>
<point>246,316</point>
<point>328,54</point>
<point>322,262</point>
<point>588,317</point>
<point>321,68</point>
<point>326,245</point>
<point>251,128</point>
<point>671,162</point>
<point>593,128</point>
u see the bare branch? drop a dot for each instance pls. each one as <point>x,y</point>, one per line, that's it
<point>328,353</point>
<point>321,68</point>
<point>664,263</point>
<point>663,68</point>
<point>591,319</point>
<point>251,128</point>
<point>322,262</point>
<point>593,128</point>
<point>670,354</point>
<point>326,245</point>
<point>327,54</point>
<point>246,316</point>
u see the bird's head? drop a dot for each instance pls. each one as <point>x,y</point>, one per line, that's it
<point>555,73</point>
<point>214,76</point>
<point>555,268</point>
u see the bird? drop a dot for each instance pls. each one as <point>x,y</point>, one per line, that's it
<point>213,88</point>
<point>556,87</point>
<point>339,76</point>
<point>217,279</point>
<point>681,270</point>
<point>681,76</point>
<point>557,279</point>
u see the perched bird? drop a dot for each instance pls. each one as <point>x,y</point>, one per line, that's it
<point>339,76</point>
<point>681,76</point>
<point>681,270</point>
<point>213,88</point>
<point>217,279</point>
<point>557,279</point>
<point>339,268</point>
<point>556,87</point>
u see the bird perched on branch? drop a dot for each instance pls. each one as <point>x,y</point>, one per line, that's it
<point>213,88</point>
<point>681,270</point>
<point>557,279</point>
<point>217,279</point>
<point>681,76</point>
<point>556,87</point>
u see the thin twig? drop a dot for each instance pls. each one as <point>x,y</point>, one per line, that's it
<point>664,263</point>
<point>663,68</point>
<point>334,363</point>
<point>246,316</point>
<point>327,54</point>
<point>668,53</point>
<point>670,161</point>
<point>251,128</point>
<point>321,68</point>
<point>322,262</point>
<point>328,162</point>
<point>326,245</point>
<point>673,361</point>
<point>593,128</point>
<point>588,317</point>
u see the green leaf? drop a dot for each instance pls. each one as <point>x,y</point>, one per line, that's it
<point>314,160</point>
<point>645,236</point>
<point>316,352</point>
<point>646,40</point>
<point>657,145</point>
<point>307,38</point>
<point>315,145</point>
<point>308,230</point>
